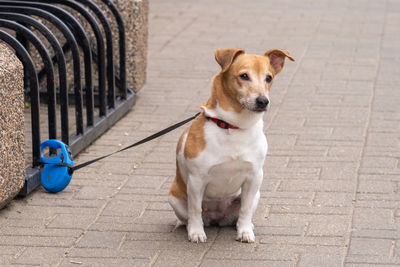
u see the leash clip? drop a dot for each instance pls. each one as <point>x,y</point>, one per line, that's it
<point>57,171</point>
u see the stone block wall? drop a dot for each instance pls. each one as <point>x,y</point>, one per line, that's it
<point>12,167</point>
<point>135,16</point>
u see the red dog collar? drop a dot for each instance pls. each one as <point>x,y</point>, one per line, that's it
<point>222,124</point>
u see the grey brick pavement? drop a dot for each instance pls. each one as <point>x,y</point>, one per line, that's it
<point>331,191</point>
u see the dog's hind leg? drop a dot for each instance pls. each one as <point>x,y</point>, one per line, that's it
<point>180,207</point>
<point>177,197</point>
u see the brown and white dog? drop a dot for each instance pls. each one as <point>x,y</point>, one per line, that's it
<point>220,157</point>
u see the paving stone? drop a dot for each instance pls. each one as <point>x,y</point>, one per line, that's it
<point>333,199</point>
<point>94,239</point>
<point>341,172</point>
<point>296,250</point>
<point>178,258</point>
<point>138,253</point>
<point>367,218</point>
<point>286,220</point>
<point>376,233</point>
<point>42,241</point>
<point>6,259</point>
<point>139,181</point>
<point>144,198</point>
<point>333,225</point>
<point>299,240</point>
<point>38,231</point>
<point>219,262</point>
<point>311,259</point>
<point>128,226</point>
<point>319,186</point>
<point>293,173</point>
<point>351,153</point>
<point>95,192</point>
<point>104,262</point>
<point>276,230</point>
<point>247,255</point>
<point>156,217</point>
<point>363,260</point>
<point>35,255</point>
<point>26,223</point>
<point>75,203</point>
<point>317,210</point>
<point>368,246</point>
<point>71,221</point>
<point>123,208</point>
<point>379,162</point>
<point>165,245</point>
<point>10,250</point>
<point>274,162</point>
<point>380,187</point>
<point>159,206</point>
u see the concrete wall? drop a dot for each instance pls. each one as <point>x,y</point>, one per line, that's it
<point>12,168</point>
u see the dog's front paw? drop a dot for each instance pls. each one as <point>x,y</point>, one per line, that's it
<point>245,234</point>
<point>196,234</point>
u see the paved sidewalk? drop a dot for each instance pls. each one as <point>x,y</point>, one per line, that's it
<point>330,196</point>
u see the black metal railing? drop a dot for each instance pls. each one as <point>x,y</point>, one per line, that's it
<point>20,23</point>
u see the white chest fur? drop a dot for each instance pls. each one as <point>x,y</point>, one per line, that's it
<point>225,179</point>
<point>229,158</point>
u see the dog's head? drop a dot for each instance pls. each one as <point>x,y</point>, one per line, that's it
<point>248,78</point>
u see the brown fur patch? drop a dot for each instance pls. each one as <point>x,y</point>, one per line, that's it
<point>227,96</point>
<point>178,187</point>
<point>223,95</point>
<point>195,141</point>
<point>225,57</point>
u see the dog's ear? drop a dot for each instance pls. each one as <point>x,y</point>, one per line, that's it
<point>225,57</point>
<point>277,58</point>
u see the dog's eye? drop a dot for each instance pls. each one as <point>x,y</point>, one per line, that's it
<point>244,76</point>
<point>268,79</point>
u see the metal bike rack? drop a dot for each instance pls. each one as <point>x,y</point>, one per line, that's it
<point>110,94</point>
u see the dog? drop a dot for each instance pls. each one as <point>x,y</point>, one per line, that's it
<point>220,157</point>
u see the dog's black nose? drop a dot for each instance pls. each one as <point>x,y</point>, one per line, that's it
<point>262,102</point>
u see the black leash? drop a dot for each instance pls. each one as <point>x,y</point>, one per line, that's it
<point>71,168</point>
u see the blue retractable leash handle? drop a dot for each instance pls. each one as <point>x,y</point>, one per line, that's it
<point>57,171</point>
<point>55,177</point>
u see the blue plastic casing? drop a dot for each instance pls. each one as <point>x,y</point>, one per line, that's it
<point>55,178</point>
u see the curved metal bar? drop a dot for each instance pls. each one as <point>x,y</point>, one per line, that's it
<point>20,18</point>
<point>29,69</point>
<point>77,28</point>
<point>108,34</point>
<point>110,57</point>
<point>100,63</point>
<point>71,41</point>
<point>100,51</point>
<point>122,52</point>
<point>40,47</point>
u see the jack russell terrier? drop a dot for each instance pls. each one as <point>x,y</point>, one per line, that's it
<point>220,157</point>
